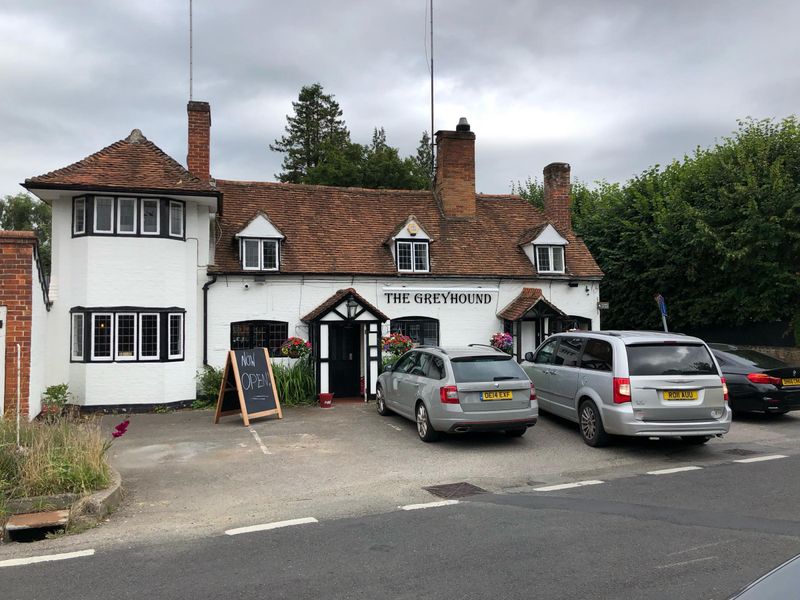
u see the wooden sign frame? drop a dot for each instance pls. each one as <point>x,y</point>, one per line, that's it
<point>230,363</point>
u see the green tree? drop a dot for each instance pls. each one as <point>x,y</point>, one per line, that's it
<point>531,190</point>
<point>423,168</point>
<point>23,212</point>
<point>314,131</point>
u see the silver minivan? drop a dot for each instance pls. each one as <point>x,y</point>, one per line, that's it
<point>637,383</point>
<point>454,390</point>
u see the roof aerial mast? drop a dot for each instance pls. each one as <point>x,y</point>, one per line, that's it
<point>190,50</point>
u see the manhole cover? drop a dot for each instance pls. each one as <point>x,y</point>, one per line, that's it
<point>741,452</point>
<point>454,490</point>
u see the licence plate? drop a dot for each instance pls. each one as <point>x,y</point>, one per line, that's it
<point>496,395</point>
<point>795,381</point>
<point>680,395</point>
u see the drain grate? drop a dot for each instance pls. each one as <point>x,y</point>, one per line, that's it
<point>741,452</point>
<point>454,490</point>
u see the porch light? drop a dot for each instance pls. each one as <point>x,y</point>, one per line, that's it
<point>352,305</point>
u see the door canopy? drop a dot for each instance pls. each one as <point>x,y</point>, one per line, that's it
<point>345,305</point>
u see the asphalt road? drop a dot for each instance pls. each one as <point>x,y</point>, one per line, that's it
<point>694,534</point>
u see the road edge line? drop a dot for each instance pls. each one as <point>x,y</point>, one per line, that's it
<point>429,505</point>
<point>273,525</point>
<point>16,562</point>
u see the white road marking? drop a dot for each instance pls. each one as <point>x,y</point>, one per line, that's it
<point>693,548</point>
<point>14,562</point>
<point>258,440</point>
<point>686,562</point>
<point>567,486</point>
<point>675,470</point>
<point>267,526</point>
<point>393,426</point>
<point>761,458</point>
<point>429,505</point>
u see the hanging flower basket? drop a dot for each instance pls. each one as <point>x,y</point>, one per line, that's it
<point>396,343</point>
<point>295,347</point>
<point>503,341</point>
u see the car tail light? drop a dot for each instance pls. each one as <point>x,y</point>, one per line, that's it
<point>724,389</point>
<point>448,394</point>
<point>763,378</point>
<point>533,392</point>
<point>622,390</point>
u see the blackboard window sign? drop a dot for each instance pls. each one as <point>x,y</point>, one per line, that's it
<point>248,386</point>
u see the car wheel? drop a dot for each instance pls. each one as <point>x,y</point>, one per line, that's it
<point>424,428</point>
<point>516,432</point>
<point>591,425</point>
<point>695,440</point>
<point>776,413</point>
<point>380,402</point>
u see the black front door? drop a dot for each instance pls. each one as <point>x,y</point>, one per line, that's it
<point>344,356</point>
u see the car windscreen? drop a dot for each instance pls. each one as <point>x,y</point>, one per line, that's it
<point>749,358</point>
<point>486,368</point>
<point>670,359</point>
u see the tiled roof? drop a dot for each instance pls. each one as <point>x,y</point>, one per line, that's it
<point>336,299</point>
<point>527,299</point>
<point>332,230</point>
<point>134,164</point>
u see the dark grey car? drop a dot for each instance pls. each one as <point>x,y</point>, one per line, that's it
<point>475,388</point>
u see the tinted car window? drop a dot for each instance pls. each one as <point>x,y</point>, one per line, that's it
<point>435,367</point>
<point>597,355</point>
<point>486,368</point>
<point>546,353</point>
<point>406,362</point>
<point>746,357</point>
<point>569,350</point>
<point>670,359</point>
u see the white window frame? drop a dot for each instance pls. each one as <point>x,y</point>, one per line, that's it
<point>135,203</point>
<point>550,254</point>
<point>413,246</point>
<point>245,266</point>
<point>277,255</point>
<point>183,216</point>
<point>110,356</point>
<point>157,355</point>
<point>75,318</point>
<point>181,330</point>
<point>95,212</point>
<point>117,355</point>
<point>82,203</point>
<point>158,217</point>
<point>260,243</point>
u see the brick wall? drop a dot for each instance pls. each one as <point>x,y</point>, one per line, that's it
<point>16,285</point>
<point>455,172</point>
<point>787,354</point>
<point>198,159</point>
<point>557,196</point>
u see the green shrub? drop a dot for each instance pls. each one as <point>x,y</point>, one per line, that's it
<point>209,381</point>
<point>295,383</point>
<point>56,395</point>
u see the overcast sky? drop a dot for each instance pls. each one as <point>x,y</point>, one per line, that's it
<point>611,87</point>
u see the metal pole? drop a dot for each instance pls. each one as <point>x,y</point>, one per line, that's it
<point>19,369</point>
<point>664,321</point>
<point>190,51</point>
<point>433,161</point>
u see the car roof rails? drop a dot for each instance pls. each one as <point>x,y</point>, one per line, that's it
<point>485,346</point>
<point>428,347</point>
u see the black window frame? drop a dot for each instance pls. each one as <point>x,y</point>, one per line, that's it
<point>398,325</point>
<point>89,314</point>
<point>252,323</point>
<point>138,232</point>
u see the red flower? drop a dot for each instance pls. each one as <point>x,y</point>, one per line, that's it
<point>120,429</point>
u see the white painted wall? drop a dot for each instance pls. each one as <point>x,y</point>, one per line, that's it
<point>122,271</point>
<point>38,344</point>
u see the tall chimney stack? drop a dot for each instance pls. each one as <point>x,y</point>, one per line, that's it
<point>557,199</point>
<point>198,158</point>
<point>455,171</point>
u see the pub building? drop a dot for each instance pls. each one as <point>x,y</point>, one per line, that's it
<point>159,269</point>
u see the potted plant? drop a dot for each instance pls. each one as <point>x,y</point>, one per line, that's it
<point>295,347</point>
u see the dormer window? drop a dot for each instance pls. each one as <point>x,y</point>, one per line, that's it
<point>412,256</point>
<point>259,255</point>
<point>550,259</point>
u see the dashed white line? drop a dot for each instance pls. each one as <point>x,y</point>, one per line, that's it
<point>686,562</point>
<point>567,486</point>
<point>674,470</point>
<point>429,504</point>
<point>761,458</point>
<point>267,526</point>
<point>258,440</point>
<point>15,562</point>
<point>393,426</point>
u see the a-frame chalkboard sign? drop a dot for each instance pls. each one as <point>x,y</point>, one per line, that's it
<point>248,386</point>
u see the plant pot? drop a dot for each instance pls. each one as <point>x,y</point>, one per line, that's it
<point>326,400</point>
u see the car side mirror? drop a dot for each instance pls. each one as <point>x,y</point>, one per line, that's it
<point>388,368</point>
<point>529,356</point>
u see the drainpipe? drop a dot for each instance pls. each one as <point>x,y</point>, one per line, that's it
<point>206,285</point>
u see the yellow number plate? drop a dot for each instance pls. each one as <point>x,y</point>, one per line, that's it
<point>496,395</point>
<point>795,381</point>
<point>680,395</point>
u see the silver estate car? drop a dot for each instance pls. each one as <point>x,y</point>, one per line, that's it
<point>476,388</point>
<point>636,383</point>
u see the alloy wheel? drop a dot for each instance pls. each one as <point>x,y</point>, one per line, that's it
<point>422,421</point>
<point>379,398</point>
<point>588,422</point>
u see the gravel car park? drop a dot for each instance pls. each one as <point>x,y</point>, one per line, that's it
<point>633,383</point>
<point>455,390</point>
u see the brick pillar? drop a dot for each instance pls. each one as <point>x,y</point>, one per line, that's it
<point>198,159</point>
<point>557,198</point>
<point>16,286</point>
<point>455,171</point>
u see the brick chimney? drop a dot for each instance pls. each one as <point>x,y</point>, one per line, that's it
<point>557,198</point>
<point>198,159</point>
<point>455,171</point>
